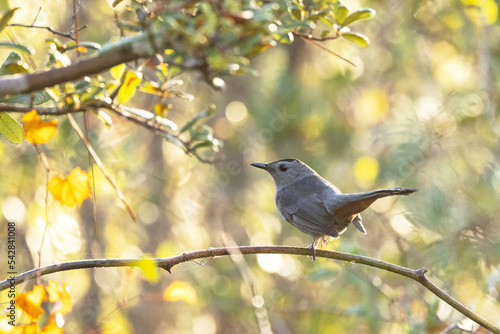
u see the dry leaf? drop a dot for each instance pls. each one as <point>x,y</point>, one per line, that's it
<point>30,302</point>
<point>54,324</point>
<point>61,295</point>
<point>36,130</point>
<point>73,189</point>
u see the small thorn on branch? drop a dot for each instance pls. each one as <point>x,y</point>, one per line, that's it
<point>166,266</point>
<point>421,272</point>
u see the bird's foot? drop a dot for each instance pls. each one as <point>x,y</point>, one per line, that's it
<point>313,256</point>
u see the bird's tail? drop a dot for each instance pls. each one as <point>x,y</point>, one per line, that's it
<point>348,206</point>
<point>387,192</point>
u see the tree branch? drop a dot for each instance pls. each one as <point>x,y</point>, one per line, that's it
<point>67,35</point>
<point>168,263</point>
<point>124,51</point>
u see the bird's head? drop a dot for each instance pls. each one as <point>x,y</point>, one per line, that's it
<point>285,171</point>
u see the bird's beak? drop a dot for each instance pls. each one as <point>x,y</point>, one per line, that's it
<point>259,165</point>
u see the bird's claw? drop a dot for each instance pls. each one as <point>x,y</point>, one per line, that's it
<point>313,257</point>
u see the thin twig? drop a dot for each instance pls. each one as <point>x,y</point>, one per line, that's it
<point>311,41</point>
<point>92,175</point>
<point>55,32</point>
<point>99,164</point>
<point>169,262</point>
<point>46,165</point>
<point>36,16</point>
<point>75,22</point>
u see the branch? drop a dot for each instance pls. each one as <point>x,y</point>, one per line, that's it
<point>126,50</point>
<point>67,35</point>
<point>316,44</point>
<point>168,263</point>
<point>152,122</point>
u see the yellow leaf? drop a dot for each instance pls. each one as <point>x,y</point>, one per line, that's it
<point>481,12</point>
<point>60,294</point>
<point>117,71</point>
<point>179,290</point>
<point>67,302</point>
<point>36,130</point>
<point>149,268</point>
<point>127,90</point>
<point>73,189</point>
<point>53,291</point>
<point>30,301</point>
<point>366,169</point>
<point>54,324</point>
<point>151,88</point>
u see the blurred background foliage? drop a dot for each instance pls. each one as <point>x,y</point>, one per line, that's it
<point>419,109</point>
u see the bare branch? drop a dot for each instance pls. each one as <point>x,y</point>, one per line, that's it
<point>99,163</point>
<point>316,44</point>
<point>168,263</point>
<point>55,32</point>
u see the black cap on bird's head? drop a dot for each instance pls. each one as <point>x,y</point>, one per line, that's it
<point>285,171</point>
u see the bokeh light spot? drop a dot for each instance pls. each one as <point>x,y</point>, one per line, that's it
<point>271,263</point>
<point>236,112</point>
<point>371,107</point>
<point>366,169</point>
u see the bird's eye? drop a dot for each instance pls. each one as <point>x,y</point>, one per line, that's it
<point>283,167</point>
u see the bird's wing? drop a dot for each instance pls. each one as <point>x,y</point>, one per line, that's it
<point>307,212</point>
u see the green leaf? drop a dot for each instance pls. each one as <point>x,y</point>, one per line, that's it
<point>24,99</point>
<point>209,112</point>
<point>325,33</point>
<point>174,140</point>
<point>286,38</point>
<point>203,132</point>
<point>24,49</point>
<point>318,15</point>
<point>116,2</point>
<point>360,14</point>
<point>11,129</point>
<point>206,143</point>
<point>357,38</point>
<point>13,64</point>
<point>342,12</point>
<point>7,17</point>
<point>12,58</point>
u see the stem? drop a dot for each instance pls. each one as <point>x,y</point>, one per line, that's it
<point>99,164</point>
<point>45,163</point>
<point>169,262</point>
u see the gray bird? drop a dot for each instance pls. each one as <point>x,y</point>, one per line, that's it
<point>315,206</point>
